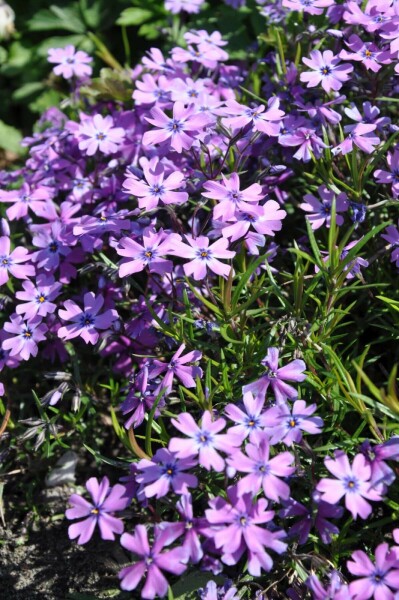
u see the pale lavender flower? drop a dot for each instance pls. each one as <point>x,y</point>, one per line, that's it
<point>353,482</point>
<point>366,52</point>
<point>151,90</point>
<point>264,119</point>
<point>359,136</point>
<point>336,590</point>
<point>177,367</point>
<point>213,592</point>
<point>327,70</point>
<point>137,257</point>
<point>352,270</point>
<point>286,424</point>
<point>38,297</point>
<point>230,197</point>
<point>392,176</point>
<point>203,256</point>
<point>86,321</point>
<point>379,580</point>
<point>307,140</point>
<point>156,187</point>
<point>203,441</point>
<point>26,198</point>
<point>276,377</point>
<point>236,526</point>
<point>266,220</point>
<point>105,501</point>
<point>313,7</point>
<point>320,210</point>
<point>26,334</point>
<point>249,423</point>
<point>188,6</point>
<point>152,562</point>
<point>70,63</point>
<point>11,262</point>
<point>163,471</point>
<point>391,235</point>
<point>98,133</point>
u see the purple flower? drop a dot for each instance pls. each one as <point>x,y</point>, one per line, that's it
<point>173,129</point>
<point>379,580</point>
<point>230,197</point>
<point>286,424</point>
<point>164,471</point>
<point>152,562</point>
<point>326,70</point>
<point>353,482</point>
<point>26,198</point>
<point>203,441</point>
<point>391,235</point>
<point>276,377</point>
<point>26,335</point>
<point>264,219</point>
<point>249,423</point>
<point>11,262</point>
<point>337,590</point>
<point>38,297</point>
<point>321,210</point>
<point>235,526</point>
<point>71,63</point>
<point>352,270</point>
<point>358,135</point>
<point>190,526</point>
<point>203,256</point>
<point>105,500</point>
<point>313,7</point>
<point>366,52</point>
<point>264,472</point>
<point>137,257</point>
<point>86,321</point>
<point>98,133</point>
<point>178,367</point>
<point>156,188</point>
<point>392,176</point>
<point>189,6</point>
<point>268,121</point>
<point>307,140</point>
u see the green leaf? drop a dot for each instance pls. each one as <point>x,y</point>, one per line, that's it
<point>10,138</point>
<point>28,89</point>
<point>191,582</point>
<point>66,19</point>
<point>134,16</point>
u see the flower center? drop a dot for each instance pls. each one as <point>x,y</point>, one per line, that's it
<point>27,333</point>
<point>325,70</point>
<point>53,247</point>
<point>41,298</point>
<point>100,136</point>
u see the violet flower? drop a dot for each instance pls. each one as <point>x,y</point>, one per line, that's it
<point>320,211</point>
<point>230,197</point>
<point>326,70</point>
<point>11,262</point>
<point>177,366</point>
<point>26,334</point>
<point>390,177</point>
<point>359,136</point>
<point>86,321</point>
<point>266,121</point>
<point>70,63</point>
<point>203,256</point>
<point>189,526</point>
<point>379,580</point>
<point>313,7</point>
<point>105,501</point>
<point>249,419</point>
<point>353,482</point>
<point>38,298</point>
<point>285,424</point>
<point>163,471</point>
<point>336,590</point>
<point>150,254</point>
<point>391,235</point>
<point>152,562</point>
<point>26,198</point>
<point>307,140</point>
<point>98,133</point>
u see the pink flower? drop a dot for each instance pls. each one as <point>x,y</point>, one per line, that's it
<point>26,198</point>
<point>267,121</point>
<point>321,210</point>
<point>366,52</point>
<point>203,256</point>
<point>26,336</point>
<point>353,482</point>
<point>11,262</point>
<point>177,366</point>
<point>99,133</point>
<point>70,62</point>
<point>230,196</point>
<point>86,321</point>
<point>326,70</point>
<point>379,580</point>
<point>138,257</point>
<point>307,140</point>
<point>358,135</point>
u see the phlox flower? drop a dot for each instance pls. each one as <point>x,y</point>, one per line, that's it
<point>264,119</point>
<point>359,136</point>
<point>320,211</point>
<point>231,197</point>
<point>174,129</point>
<point>98,133</point>
<point>11,262</point>
<point>249,419</point>
<point>53,246</point>
<point>366,52</point>
<point>286,424</point>
<point>352,270</point>
<point>376,455</point>
<point>26,334</point>
<point>392,176</point>
<point>156,187</point>
<point>265,219</point>
<point>263,472</point>
<point>376,15</point>
<point>177,367</point>
<point>105,501</point>
<point>326,69</point>
<point>352,481</point>
<point>276,377</point>
<point>26,198</point>
<point>317,517</point>
<point>206,55</point>
<point>38,297</point>
<point>236,527</point>
<point>391,235</point>
<point>379,580</point>
<point>188,6</point>
<point>203,441</point>
<point>203,256</point>
<point>336,590</point>
<point>70,63</point>
<point>189,526</point>
<point>152,562</point>
<point>137,257</point>
<point>313,7</point>
<point>163,471</point>
<point>151,90</point>
<point>86,321</point>
<point>187,90</point>
<point>213,592</point>
<point>307,140</point>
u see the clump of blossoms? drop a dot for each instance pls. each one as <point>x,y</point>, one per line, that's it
<point>194,264</point>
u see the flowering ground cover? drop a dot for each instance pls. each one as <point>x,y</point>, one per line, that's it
<point>198,269</point>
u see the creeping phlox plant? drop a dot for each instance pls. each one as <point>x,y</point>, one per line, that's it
<point>207,267</point>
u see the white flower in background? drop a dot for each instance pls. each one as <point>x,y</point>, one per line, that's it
<point>7,17</point>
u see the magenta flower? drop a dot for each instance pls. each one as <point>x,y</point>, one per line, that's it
<point>276,377</point>
<point>263,472</point>
<point>320,211</point>
<point>230,197</point>
<point>137,257</point>
<point>164,471</point>
<point>70,63</point>
<point>203,256</point>
<point>326,70</point>
<point>156,188</point>
<point>203,441</point>
<point>379,580</point>
<point>173,129</point>
<point>152,562</point>
<point>26,335</point>
<point>177,367</point>
<point>105,501</point>
<point>26,198</point>
<point>353,482</point>
<point>86,321</point>
<point>11,262</point>
<point>236,526</point>
<point>99,133</point>
<point>38,297</point>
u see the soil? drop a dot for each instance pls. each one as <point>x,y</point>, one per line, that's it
<point>38,561</point>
